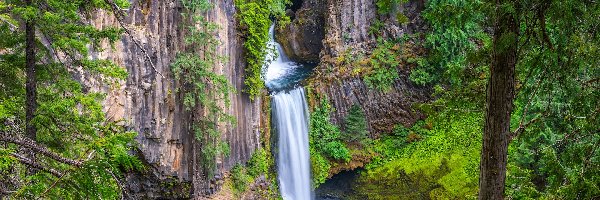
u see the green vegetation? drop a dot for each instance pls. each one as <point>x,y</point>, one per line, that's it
<point>325,143</point>
<point>255,20</point>
<point>554,124</point>
<point>444,157</point>
<point>260,164</point>
<point>456,31</point>
<point>319,167</point>
<point>553,135</point>
<point>384,62</point>
<point>203,88</point>
<point>66,148</point>
<point>324,136</point>
<point>387,6</point>
<point>355,125</point>
<point>240,178</point>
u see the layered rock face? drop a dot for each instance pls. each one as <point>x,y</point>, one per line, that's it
<point>347,24</point>
<point>150,104</point>
<point>347,31</point>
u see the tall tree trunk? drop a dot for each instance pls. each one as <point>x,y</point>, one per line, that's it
<point>31,83</point>
<point>500,94</point>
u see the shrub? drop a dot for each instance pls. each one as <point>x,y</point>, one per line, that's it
<point>324,136</point>
<point>320,168</point>
<point>258,163</point>
<point>384,63</point>
<point>240,178</point>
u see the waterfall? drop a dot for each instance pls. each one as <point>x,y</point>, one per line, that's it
<point>290,120</point>
<point>291,123</point>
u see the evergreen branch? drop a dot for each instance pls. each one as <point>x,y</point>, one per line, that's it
<point>124,194</point>
<point>28,143</point>
<point>12,27</point>
<point>523,125</point>
<point>31,163</point>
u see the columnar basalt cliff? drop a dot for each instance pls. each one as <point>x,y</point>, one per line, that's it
<point>346,34</point>
<point>149,102</point>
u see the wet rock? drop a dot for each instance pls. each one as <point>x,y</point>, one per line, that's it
<point>302,38</point>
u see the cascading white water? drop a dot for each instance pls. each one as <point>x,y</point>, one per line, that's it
<point>290,120</point>
<point>291,114</point>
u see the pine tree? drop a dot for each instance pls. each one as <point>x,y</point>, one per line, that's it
<point>55,141</point>
<point>355,124</point>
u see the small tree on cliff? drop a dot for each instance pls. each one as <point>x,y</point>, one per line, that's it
<point>355,124</point>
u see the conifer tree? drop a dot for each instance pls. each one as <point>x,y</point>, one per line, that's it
<point>54,138</point>
<point>355,124</point>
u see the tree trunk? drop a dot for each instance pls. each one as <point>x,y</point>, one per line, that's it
<point>500,94</point>
<point>31,83</point>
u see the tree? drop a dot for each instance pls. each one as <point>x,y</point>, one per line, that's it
<point>31,84</point>
<point>50,121</point>
<point>499,106</point>
<point>355,124</point>
<point>547,46</point>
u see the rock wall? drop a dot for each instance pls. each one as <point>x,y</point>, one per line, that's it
<point>148,101</point>
<point>302,39</point>
<point>347,30</point>
<point>347,24</point>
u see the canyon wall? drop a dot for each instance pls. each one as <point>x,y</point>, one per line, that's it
<point>347,35</point>
<point>149,103</point>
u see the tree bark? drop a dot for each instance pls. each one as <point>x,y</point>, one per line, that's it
<point>31,83</point>
<point>499,105</point>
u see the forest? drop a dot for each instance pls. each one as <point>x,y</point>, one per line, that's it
<point>278,99</point>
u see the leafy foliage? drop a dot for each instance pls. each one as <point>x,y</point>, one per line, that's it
<point>319,167</point>
<point>456,31</point>
<point>387,6</point>
<point>254,17</point>
<point>556,156</point>
<point>240,178</point>
<point>384,62</point>
<point>325,143</point>
<point>325,137</point>
<point>258,165</point>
